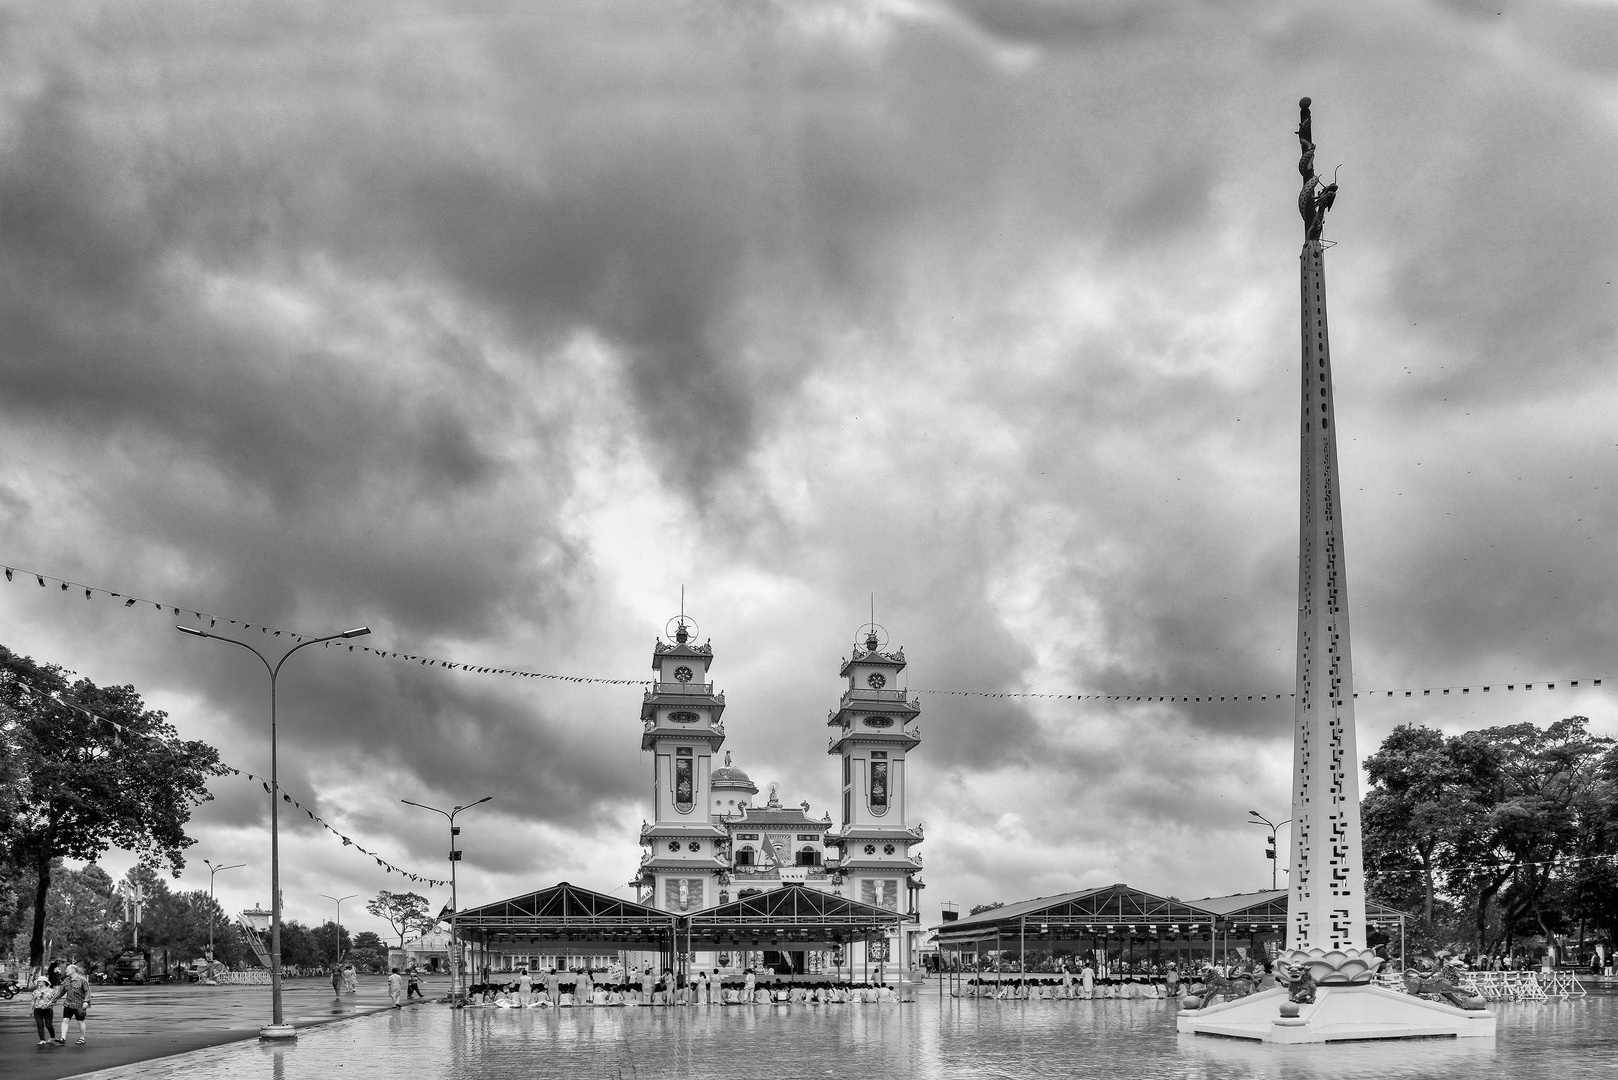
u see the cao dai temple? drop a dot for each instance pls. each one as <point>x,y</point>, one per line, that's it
<point>725,882</point>
<point>710,840</point>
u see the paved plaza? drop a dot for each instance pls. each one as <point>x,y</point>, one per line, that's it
<point>136,1023</point>
<point>934,1037</point>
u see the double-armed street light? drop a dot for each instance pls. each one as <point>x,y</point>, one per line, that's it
<point>457,980</point>
<point>1269,854</point>
<point>278,1028</point>
<point>212,870</point>
<point>338,900</point>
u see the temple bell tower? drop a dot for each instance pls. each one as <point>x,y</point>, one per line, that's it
<point>680,721</point>
<point>874,729</point>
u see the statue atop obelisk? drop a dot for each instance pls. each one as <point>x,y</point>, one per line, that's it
<point>1326,913</point>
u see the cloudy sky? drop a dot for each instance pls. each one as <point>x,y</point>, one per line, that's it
<point>492,326</point>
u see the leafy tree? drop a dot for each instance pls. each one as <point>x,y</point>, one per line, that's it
<point>1422,800</point>
<point>82,914</point>
<point>179,920</point>
<point>407,913</point>
<point>369,953</point>
<point>89,787</point>
<point>331,947</point>
<point>1537,786</point>
<point>980,908</point>
<point>298,946</point>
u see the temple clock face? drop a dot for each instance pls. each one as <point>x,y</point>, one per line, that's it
<point>682,674</point>
<point>877,680</point>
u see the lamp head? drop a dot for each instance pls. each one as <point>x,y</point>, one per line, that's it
<point>193,631</point>
<point>358,631</point>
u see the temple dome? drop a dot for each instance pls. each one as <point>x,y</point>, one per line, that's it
<point>730,776</point>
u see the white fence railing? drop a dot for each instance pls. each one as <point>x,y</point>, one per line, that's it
<point>250,977</point>
<point>1504,985</point>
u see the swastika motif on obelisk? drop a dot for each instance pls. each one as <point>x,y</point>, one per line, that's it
<point>1326,913</point>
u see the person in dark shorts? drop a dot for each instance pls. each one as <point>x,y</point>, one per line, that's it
<point>75,992</point>
<point>414,982</point>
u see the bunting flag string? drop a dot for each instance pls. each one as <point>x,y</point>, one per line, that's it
<point>347,841</point>
<point>1412,692</point>
<point>1558,861</point>
<point>121,733</point>
<point>92,591</point>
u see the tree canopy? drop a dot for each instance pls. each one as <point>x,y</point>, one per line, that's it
<point>407,913</point>
<point>1496,833</point>
<point>82,786</point>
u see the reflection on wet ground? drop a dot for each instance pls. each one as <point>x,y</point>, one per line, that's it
<point>935,1037</point>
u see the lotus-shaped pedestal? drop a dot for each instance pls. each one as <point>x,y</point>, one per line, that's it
<point>1339,967</point>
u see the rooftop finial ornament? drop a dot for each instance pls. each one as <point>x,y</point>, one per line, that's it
<point>1316,198</point>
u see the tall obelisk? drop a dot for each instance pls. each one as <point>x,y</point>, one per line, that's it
<point>1329,994</point>
<point>1327,908</point>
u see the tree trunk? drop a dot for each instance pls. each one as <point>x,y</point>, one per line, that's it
<point>1427,900</point>
<point>42,888</point>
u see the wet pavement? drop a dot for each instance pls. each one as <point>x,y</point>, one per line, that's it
<point>936,1037</point>
<point>137,1023</point>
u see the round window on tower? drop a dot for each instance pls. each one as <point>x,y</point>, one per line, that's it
<point>694,846</point>
<point>870,849</point>
<point>674,845</point>
<point>877,680</point>
<point>887,849</point>
<point>682,674</point>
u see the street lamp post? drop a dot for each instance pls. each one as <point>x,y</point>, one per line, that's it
<point>338,900</point>
<point>212,870</point>
<point>1271,854</point>
<point>457,981</point>
<point>278,1028</point>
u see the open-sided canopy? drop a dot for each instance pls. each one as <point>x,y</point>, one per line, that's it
<point>1269,908</point>
<point>566,914</point>
<point>793,916</point>
<point>1116,909</point>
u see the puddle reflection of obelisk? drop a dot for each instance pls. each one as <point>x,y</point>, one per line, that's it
<point>1326,912</point>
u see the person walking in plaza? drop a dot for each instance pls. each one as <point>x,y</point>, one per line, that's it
<point>351,979</point>
<point>75,993</point>
<point>337,982</point>
<point>44,1002</point>
<point>414,981</point>
<point>396,990</point>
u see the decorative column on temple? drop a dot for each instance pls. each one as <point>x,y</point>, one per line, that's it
<point>1326,912</point>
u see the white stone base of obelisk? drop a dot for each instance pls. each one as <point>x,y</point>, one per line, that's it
<point>1338,1014</point>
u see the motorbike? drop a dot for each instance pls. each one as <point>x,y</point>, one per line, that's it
<point>8,987</point>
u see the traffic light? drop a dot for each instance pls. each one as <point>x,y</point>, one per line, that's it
<point>1269,850</point>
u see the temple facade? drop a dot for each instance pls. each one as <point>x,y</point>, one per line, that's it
<point>710,840</point>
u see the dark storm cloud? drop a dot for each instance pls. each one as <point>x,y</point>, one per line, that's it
<point>353,314</point>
